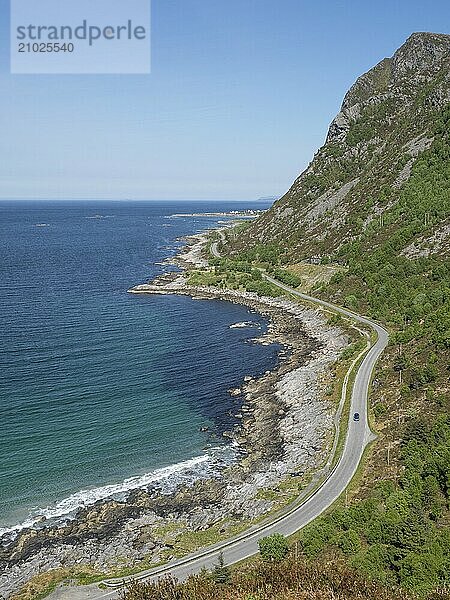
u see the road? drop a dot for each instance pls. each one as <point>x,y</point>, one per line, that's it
<point>245,545</point>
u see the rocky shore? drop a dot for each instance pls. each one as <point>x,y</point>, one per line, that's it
<point>284,430</point>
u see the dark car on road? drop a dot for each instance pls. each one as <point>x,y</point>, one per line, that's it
<point>356,417</point>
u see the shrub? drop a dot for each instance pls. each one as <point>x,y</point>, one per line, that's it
<point>273,548</point>
<point>287,277</point>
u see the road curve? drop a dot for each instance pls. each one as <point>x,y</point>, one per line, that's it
<point>245,545</point>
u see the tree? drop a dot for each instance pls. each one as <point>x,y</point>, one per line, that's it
<point>221,572</point>
<point>348,541</point>
<point>273,548</point>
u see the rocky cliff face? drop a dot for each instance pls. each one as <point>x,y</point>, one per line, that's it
<point>387,120</point>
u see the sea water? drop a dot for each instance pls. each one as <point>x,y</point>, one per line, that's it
<point>101,391</point>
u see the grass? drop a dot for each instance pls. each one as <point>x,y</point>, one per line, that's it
<point>44,584</point>
<point>171,528</point>
<point>290,579</point>
<point>313,276</point>
<point>190,541</point>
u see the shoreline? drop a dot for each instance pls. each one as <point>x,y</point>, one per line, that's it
<point>285,431</point>
<point>305,337</point>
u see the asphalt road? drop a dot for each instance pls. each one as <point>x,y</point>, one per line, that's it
<point>246,544</point>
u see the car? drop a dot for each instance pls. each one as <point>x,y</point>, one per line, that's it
<point>356,417</point>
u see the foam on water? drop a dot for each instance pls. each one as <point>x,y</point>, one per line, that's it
<point>101,390</point>
<point>165,479</point>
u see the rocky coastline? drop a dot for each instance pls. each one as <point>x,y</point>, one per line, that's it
<point>285,430</point>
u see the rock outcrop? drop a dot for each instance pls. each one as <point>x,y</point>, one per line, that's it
<point>385,123</point>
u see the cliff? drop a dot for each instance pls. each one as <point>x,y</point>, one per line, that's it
<point>388,119</point>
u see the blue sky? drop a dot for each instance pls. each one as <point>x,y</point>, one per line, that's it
<point>240,96</point>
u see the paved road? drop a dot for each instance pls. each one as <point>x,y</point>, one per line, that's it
<point>214,250</point>
<point>245,545</point>
<point>215,245</point>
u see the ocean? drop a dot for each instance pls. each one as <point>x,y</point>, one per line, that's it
<point>102,391</point>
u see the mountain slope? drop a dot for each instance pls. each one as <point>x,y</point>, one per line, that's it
<point>387,120</point>
<point>375,202</point>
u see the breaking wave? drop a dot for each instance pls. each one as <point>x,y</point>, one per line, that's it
<point>165,480</point>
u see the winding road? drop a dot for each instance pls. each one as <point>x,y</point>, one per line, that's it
<point>245,545</point>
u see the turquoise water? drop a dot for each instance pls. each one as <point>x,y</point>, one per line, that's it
<point>102,391</point>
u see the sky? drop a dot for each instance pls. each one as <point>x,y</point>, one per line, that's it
<point>239,98</point>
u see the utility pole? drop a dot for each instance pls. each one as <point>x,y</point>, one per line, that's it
<point>389,447</point>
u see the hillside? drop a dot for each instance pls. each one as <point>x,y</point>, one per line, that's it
<point>374,204</point>
<point>367,227</point>
<point>354,188</point>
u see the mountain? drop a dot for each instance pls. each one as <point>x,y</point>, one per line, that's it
<point>353,186</point>
<point>373,207</point>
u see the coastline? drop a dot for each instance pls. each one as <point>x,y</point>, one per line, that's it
<point>285,431</point>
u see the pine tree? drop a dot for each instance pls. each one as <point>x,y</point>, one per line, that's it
<point>221,572</point>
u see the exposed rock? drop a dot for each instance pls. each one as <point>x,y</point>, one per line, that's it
<point>384,125</point>
<point>329,200</point>
<point>437,242</point>
<point>235,392</point>
<point>280,430</point>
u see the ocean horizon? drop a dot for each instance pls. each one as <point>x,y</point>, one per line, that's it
<point>102,392</point>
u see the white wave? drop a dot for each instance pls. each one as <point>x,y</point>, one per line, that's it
<point>100,217</point>
<point>16,528</point>
<point>244,324</point>
<point>166,479</point>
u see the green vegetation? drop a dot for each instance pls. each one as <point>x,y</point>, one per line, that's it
<point>235,275</point>
<point>273,547</point>
<point>290,579</point>
<point>394,536</point>
<point>411,295</point>
<point>354,348</point>
<point>42,585</point>
<point>186,541</point>
<point>369,123</point>
<point>398,533</point>
<point>270,254</point>
<point>285,277</point>
<point>221,573</point>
